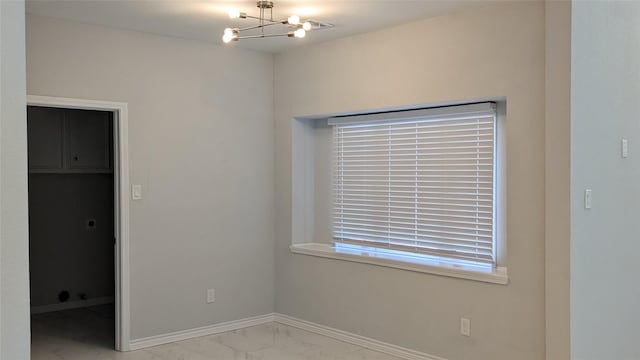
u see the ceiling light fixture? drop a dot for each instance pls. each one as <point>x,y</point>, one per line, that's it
<point>293,26</point>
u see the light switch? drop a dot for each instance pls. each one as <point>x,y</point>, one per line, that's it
<point>465,327</point>
<point>625,148</point>
<point>587,199</point>
<point>136,192</point>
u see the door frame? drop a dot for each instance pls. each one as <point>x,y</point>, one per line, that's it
<point>121,201</point>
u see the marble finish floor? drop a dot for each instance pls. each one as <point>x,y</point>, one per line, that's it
<point>87,334</point>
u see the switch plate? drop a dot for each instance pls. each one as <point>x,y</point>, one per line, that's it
<point>465,327</point>
<point>588,197</point>
<point>136,192</point>
<point>624,148</point>
<point>211,296</point>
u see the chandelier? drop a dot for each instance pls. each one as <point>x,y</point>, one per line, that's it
<point>293,26</point>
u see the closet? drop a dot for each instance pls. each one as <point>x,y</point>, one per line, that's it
<point>71,215</point>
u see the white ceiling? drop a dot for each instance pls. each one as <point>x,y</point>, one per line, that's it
<point>206,20</point>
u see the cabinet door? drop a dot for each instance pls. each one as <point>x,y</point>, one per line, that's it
<point>87,134</point>
<point>44,134</point>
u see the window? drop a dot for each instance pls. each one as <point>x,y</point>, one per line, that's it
<point>418,183</point>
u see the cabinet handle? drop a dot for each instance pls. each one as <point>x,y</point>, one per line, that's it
<point>75,158</point>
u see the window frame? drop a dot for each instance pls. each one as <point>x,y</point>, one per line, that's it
<point>306,242</point>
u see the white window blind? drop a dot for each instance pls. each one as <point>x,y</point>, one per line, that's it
<point>421,181</point>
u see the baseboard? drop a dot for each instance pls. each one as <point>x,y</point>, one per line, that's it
<point>355,339</point>
<point>198,332</point>
<point>40,309</point>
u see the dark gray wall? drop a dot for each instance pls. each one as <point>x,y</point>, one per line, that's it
<point>65,255</point>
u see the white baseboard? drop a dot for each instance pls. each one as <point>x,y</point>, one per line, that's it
<point>359,340</point>
<point>40,309</point>
<point>198,332</point>
<point>355,339</point>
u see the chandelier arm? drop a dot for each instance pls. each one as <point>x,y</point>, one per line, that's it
<point>261,36</point>
<point>258,26</point>
<point>266,20</point>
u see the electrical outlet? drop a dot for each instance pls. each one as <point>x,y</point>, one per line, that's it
<point>465,327</point>
<point>211,296</point>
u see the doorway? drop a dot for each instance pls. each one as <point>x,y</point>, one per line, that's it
<point>78,220</point>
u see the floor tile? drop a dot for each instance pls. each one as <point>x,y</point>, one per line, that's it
<point>87,334</point>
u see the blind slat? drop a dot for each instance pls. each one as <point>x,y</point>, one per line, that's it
<point>452,254</point>
<point>408,201</point>
<point>401,193</point>
<point>434,207</point>
<point>461,132</point>
<point>465,234</point>
<point>407,223</point>
<point>426,221</point>
<point>422,214</point>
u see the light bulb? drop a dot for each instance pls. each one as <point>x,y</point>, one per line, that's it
<point>234,14</point>
<point>294,19</point>
<point>300,33</point>
<point>227,38</point>
<point>306,26</point>
<point>228,32</point>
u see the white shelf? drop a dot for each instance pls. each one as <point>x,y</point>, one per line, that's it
<point>70,171</point>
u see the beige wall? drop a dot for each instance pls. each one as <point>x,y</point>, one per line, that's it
<point>194,174</point>
<point>490,51</point>
<point>14,241</point>
<point>201,144</point>
<point>557,177</point>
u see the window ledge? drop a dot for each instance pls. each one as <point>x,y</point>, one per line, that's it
<point>484,274</point>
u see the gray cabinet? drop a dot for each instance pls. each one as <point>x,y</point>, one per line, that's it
<point>69,140</point>
<point>87,139</point>
<point>45,129</point>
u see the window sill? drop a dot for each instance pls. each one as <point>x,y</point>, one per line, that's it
<point>469,272</point>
